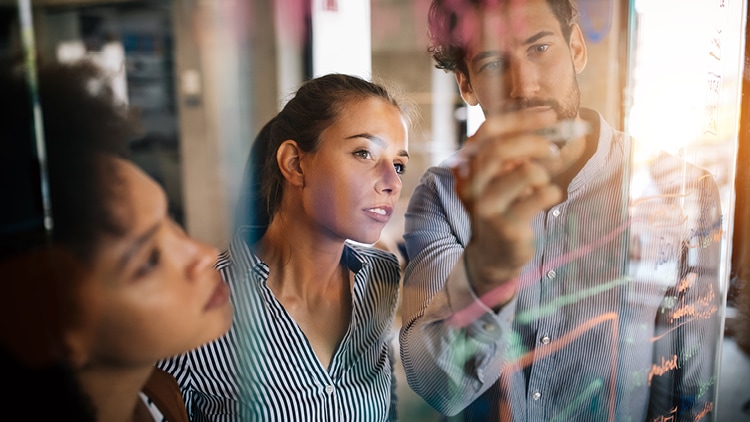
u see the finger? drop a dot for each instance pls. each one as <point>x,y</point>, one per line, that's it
<point>513,123</point>
<point>497,160</point>
<point>540,199</point>
<point>511,150</point>
<point>510,136</point>
<point>495,194</point>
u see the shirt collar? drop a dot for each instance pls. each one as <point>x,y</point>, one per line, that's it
<point>352,258</point>
<point>606,146</point>
<point>241,256</point>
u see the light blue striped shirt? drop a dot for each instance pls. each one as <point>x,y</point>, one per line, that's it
<point>617,314</point>
<point>264,369</point>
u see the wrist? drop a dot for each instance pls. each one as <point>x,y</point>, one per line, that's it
<point>494,285</point>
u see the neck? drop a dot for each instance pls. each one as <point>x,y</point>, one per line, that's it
<point>301,263</point>
<point>114,391</point>
<point>307,278</point>
<point>579,152</point>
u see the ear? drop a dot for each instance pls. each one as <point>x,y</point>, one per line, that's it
<point>78,346</point>
<point>467,92</point>
<point>577,47</point>
<point>288,158</point>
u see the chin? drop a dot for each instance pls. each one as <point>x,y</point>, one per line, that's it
<point>224,322</point>
<point>367,240</point>
<point>228,316</point>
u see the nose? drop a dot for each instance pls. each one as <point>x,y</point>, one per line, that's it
<point>522,79</point>
<point>388,180</point>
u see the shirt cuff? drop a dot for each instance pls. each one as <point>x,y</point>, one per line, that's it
<point>480,321</point>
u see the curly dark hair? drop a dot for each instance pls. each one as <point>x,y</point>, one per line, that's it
<point>446,17</point>
<point>81,122</point>
<point>41,264</point>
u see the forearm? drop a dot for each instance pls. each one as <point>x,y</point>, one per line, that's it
<point>494,286</point>
<point>453,351</point>
<point>452,344</point>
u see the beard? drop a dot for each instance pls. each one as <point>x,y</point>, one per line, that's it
<point>566,107</point>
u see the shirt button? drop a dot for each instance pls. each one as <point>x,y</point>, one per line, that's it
<point>551,274</point>
<point>555,212</point>
<point>329,389</point>
<point>489,327</point>
<point>545,340</point>
<point>536,396</point>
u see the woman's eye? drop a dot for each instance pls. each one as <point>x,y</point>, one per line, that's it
<point>152,262</point>
<point>400,168</point>
<point>363,153</point>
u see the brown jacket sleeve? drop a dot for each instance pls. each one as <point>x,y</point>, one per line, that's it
<point>163,390</point>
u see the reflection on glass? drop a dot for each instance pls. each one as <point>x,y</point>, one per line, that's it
<point>28,220</point>
<point>683,123</point>
<point>133,43</point>
<point>641,288</point>
<point>618,313</point>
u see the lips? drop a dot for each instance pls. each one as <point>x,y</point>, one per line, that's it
<point>535,105</point>
<point>380,213</point>
<point>219,297</point>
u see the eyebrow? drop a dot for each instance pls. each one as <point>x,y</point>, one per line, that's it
<point>138,243</point>
<point>531,40</point>
<point>536,37</point>
<point>379,141</point>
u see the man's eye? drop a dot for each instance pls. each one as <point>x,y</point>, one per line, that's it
<point>400,168</point>
<point>541,48</point>
<point>493,66</point>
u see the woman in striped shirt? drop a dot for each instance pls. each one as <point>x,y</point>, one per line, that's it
<point>312,339</point>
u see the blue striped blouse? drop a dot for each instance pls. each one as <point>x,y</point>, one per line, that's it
<point>264,369</point>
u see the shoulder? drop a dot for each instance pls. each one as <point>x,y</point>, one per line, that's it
<point>374,263</point>
<point>224,260</point>
<point>439,174</point>
<point>238,259</point>
<point>613,143</point>
<point>676,173</point>
<point>436,188</point>
<point>215,356</point>
<point>163,392</point>
<point>377,275</point>
<point>374,256</point>
<point>665,162</point>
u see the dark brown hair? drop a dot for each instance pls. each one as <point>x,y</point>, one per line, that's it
<point>447,18</point>
<point>43,275</point>
<point>316,105</point>
<point>81,122</point>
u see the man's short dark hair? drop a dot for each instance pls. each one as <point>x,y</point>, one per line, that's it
<point>446,18</point>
